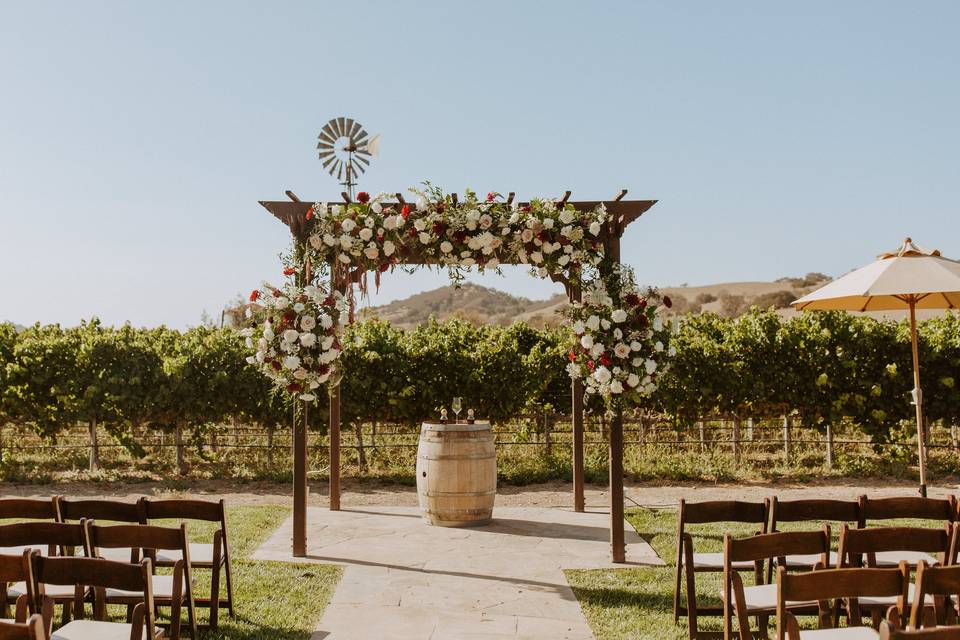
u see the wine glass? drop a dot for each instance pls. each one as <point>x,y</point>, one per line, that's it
<point>457,406</point>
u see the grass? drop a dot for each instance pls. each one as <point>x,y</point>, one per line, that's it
<point>637,603</point>
<point>273,600</point>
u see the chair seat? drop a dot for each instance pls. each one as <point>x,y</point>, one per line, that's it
<point>18,551</point>
<point>55,591</point>
<point>715,561</point>
<point>117,554</point>
<point>844,633</point>
<point>886,601</point>
<point>763,597</point>
<point>893,558</point>
<point>200,553</point>
<point>805,560</point>
<point>162,589</point>
<point>95,630</point>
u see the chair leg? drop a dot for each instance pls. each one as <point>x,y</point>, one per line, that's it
<point>229,574</point>
<point>691,587</point>
<point>214,596</point>
<point>676,585</point>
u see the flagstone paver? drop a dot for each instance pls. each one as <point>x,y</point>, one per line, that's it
<point>407,580</point>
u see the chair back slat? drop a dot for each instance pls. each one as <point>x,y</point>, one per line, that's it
<point>913,507</point>
<point>776,545</point>
<point>139,536</point>
<point>92,572</point>
<point>829,584</point>
<point>112,510</point>
<point>184,510</point>
<point>724,511</point>
<point>813,510</point>
<point>28,508</point>
<point>887,632</point>
<point>15,568</point>
<point>43,534</point>
<point>879,539</point>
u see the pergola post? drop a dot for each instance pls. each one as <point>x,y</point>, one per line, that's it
<point>301,415</point>
<point>618,549</point>
<point>335,285</point>
<point>576,386</point>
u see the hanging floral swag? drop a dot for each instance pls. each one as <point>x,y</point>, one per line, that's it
<point>296,342</point>
<point>553,237</point>
<point>620,344</point>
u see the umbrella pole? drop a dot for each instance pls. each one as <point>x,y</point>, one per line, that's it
<point>918,398</point>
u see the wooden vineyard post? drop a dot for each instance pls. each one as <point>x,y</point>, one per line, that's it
<point>953,435</point>
<point>786,437</point>
<point>703,438</point>
<point>736,438</point>
<point>829,446</point>
<point>300,418</point>
<point>579,502</point>
<point>750,429</point>
<point>547,437</point>
<point>618,548</point>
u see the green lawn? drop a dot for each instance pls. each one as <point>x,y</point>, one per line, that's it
<point>638,602</point>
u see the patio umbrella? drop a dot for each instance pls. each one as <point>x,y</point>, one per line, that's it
<point>910,278</point>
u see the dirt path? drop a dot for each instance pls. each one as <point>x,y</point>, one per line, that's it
<point>550,494</point>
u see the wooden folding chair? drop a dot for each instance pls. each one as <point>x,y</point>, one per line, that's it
<point>168,590</point>
<point>836,584</point>
<point>818,511</point>
<point>890,632</point>
<point>760,600</point>
<point>942,584</point>
<point>215,556</point>
<point>859,547</point>
<point>32,629</point>
<point>101,575</point>
<point>104,511</point>
<point>26,509</point>
<point>903,507</point>
<point>54,538</point>
<point>690,563</point>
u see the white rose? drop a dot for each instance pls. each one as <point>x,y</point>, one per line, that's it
<point>300,374</point>
<point>316,242</point>
<point>618,334</point>
<point>672,351</point>
<point>249,343</point>
<point>526,235</point>
<point>326,343</point>
<point>485,221</point>
<point>307,323</point>
<point>376,207</point>
<point>366,233</point>
<point>308,339</point>
<point>390,222</point>
<point>335,210</point>
<point>593,323</point>
<point>424,237</point>
<point>605,324</point>
<point>346,242</point>
<point>563,260</point>
<point>348,225</point>
<point>422,204</point>
<point>651,366</point>
<point>446,247</point>
<point>268,333</point>
<point>548,223</point>
<point>388,248</point>
<point>326,322</point>
<point>299,307</point>
<point>658,346</point>
<point>371,252</point>
<point>621,350</point>
<point>618,315</point>
<point>282,302</point>
<point>329,240</point>
<point>616,386</point>
<point>602,375</point>
<point>586,341</point>
<point>637,362</point>
<point>344,258</point>
<point>369,222</point>
<point>649,388</point>
<point>636,346</point>
<point>468,262</point>
<point>419,224</point>
<point>307,397</point>
<point>633,380</point>
<point>658,323</point>
<point>595,228</point>
<point>492,263</point>
<point>566,216</point>
<point>291,362</point>
<point>536,257</point>
<point>290,335</point>
<point>597,349</point>
<point>251,359</point>
<point>578,327</point>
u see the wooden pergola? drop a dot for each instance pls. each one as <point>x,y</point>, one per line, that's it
<point>622,212</point>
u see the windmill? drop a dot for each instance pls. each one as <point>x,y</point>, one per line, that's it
<point>345,150</point>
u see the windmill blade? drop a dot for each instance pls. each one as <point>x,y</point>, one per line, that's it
<point>355,129</point>
<point>342,126</point>
<point>324,145</point>
<point>325,153</point>
<point>339,171</point>
<point>362,162</point>
<point>326,134</point>
<point>360,138</point>
<point>330,164</point>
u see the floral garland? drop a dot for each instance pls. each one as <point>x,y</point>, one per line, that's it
<point>297,344</point>
<point>552,237</point>
<point>620,342</point>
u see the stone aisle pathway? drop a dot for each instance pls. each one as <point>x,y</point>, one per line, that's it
<point>407,580</point>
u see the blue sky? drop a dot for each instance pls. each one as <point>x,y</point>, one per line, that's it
<point>136,138</point>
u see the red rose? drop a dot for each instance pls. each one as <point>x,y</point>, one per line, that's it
<point>437,228</point>
<point>405,211</point>
<point>363,197</point>
<point>328,302</point>
<point>632,299</point>
<point>293,388</point>
<point>491,196</point>
<point>525,209</point>
<point>643,303</point>
<point>573,356</point>
<point>384,267</point>
<point>275,365</point>
<point>276,293</point>
<point>667,302</point>
<point>590,364</point>
<point>604,360</point>
<point>309,213</point>
<point>289,271</point>
<point>254,295</point>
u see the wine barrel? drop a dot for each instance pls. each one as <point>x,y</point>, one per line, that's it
<point>456,474</point>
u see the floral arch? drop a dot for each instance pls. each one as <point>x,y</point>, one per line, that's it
<point>617,342</point>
